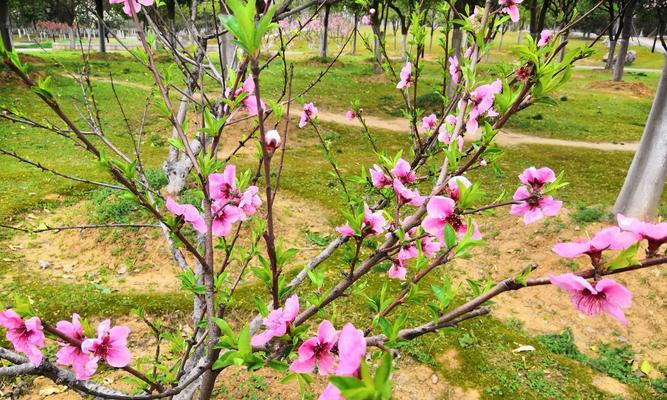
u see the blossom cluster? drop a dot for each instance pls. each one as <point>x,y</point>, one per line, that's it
<point>532,203</point>
<point>229,206</point>
<point>81,353</point>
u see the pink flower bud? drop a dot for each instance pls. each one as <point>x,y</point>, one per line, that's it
<point>272,140</point>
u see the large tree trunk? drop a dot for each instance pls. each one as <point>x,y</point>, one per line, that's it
<point>645,181</point>
<point>99,9</point>
<point>619,64</point>
<point>325,32</point>
<point>5,31</point>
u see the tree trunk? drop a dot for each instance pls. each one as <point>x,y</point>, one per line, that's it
<point>610,55</point>
<point>378,54</point>
<point>354,39</point>
<point>644,183</point>
<point>5,31</point>
<point>325,32</point>
<point>99,10</point>
<point>430,42</point>
<point>533,19</point>
<point>563,39</point>
<point>619,64</point>
<point>404,45</point>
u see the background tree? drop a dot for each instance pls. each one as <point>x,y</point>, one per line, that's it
<point>619,63</point>
<point>645,181</point>
<point>5,31</point>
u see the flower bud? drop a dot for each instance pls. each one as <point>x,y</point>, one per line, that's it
<point>272,140</point>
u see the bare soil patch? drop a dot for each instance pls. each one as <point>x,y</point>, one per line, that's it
<point>138,259</point>
<point>637,89</point>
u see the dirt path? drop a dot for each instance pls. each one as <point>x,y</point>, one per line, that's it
<point>401,125</point>
<point>506,139</point>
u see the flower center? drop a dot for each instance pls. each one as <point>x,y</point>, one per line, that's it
<point>454,220</point>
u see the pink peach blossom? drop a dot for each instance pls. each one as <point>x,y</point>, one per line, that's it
<point>27,337</point>
<point>250,101</point>
<point>511,7</point>
<point>350,115</point>
<point>607,239</point>
<point>188,212</point>
<point>403,172</point>
<point>606,296</point>
<point>249,202</point>
<point>406,76</point>
<point>429,122</point>
<point>407,196</point>
<point>441,211</point>
<point>545,37</point>
<point>223,186</point>
<point>224,216</point>
<point>129,4</point>
<point>534,207</point>
<point>397,270</point>
<point>482,100</point>
<point>351,351</point>
<point>454,69</point>
<point>308,114</point>
<point>83,364</point>
<point>454,184</point>
<point>365,20</point>
<point>277,321</point>
<point>430,246</point>
<point>110,345</point>
<point>656,234</point>
<point>536,178</point>
<point>379,178</point>
<point>317,351</point>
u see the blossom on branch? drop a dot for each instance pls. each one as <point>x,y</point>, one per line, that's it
<point>273,140</point>
<point>110,345</point>
<point>351,351</point>
<point>277,321</point>
<point>607,239</point>
<point>545,37</point>
<point>317,351</point>
<point>534,207</point>
<point>27,337</point>
<point>83,363</point>
<point>604,295</point>
<point>379,178</point>
<point>129,4</point>
<point>511,7</point>
<point>482,99</point>
<point>406,76</point>
<point>308,114</point>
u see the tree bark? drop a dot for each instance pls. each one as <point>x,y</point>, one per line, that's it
<point>619,64</point>
<point>610,55</point>
<point>645,181</point>
<point>356,31</point>
<point>99,9</point>
<point>5,31</point>
<point>325,32</point>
